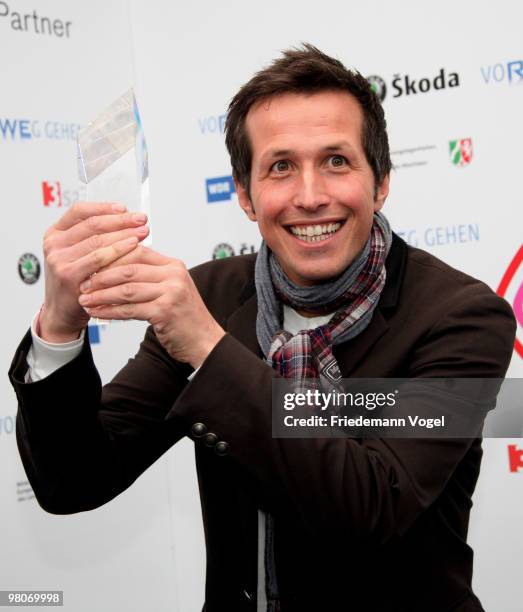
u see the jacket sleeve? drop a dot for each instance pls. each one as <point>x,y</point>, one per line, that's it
<point>362,489</point>
<point>82,445</point>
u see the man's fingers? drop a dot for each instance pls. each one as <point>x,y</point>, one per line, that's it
<point>100,224</point>
<point>82,210</point>
<point>140,312</point>
<point>129,273</point>
<point>93,262</point>
<point>123,294</point>
<point>97,241</point>
<point>143,255</point>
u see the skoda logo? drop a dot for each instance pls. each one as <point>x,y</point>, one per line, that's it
<point>378,86</point>
<point>222,250</point>
<point>29,268</point>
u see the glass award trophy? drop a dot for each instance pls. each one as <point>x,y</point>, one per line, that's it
<point>113,161</point>
<point>112,157</point>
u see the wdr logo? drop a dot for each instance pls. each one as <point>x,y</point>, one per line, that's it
<point>219,189</point>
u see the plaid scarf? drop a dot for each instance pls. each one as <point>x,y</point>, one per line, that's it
<point>306,358</point>
<point>354,296</point>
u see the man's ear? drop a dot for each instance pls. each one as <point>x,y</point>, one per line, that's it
<point>245,201</point>
<point>382,193</point>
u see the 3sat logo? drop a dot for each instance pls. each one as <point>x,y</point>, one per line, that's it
<point>54,195</point>
<point>511,288</point>
<point>460,151</point>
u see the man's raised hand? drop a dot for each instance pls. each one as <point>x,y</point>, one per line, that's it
<point>90,236</point>
<point>148,286</point>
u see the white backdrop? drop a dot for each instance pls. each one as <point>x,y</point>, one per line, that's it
<point>186,62</point>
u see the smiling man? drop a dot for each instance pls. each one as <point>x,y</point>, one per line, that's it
<point>311,189</point>
<point>374,525</point>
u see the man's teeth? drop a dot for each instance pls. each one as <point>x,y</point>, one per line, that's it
<point>314,233</point>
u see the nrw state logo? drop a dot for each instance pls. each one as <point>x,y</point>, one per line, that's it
<point>29,268</point>
<point>460,151</point>
<point>511,288</point>
<point>515,458</point>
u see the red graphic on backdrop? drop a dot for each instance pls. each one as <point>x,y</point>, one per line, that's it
<point>52,193</point>
<point>466,150</point>
<point>518,299</point>
<point>515,457</point>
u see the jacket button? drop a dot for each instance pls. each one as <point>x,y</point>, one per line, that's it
<point>248,595</point>
<point>222,448</point>
<point>198,430</point>
<point>210,439</point>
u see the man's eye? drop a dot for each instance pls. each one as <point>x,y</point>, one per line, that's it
<point>337,161</point>
<point>281,166</point>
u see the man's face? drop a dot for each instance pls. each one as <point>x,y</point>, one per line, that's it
<point>312,189</point>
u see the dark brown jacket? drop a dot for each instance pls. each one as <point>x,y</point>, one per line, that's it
<point>361,525</point>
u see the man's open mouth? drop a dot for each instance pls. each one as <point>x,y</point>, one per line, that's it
<point>314,233</point>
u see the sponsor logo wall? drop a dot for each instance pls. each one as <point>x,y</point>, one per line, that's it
<point>454,121</point>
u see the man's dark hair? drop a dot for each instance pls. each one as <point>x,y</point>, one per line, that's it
<point>306,70</point>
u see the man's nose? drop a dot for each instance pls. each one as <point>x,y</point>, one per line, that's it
<point>310,191</point>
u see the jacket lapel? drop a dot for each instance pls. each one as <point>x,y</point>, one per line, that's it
<point>242,325</point>
<point>349,354</point>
